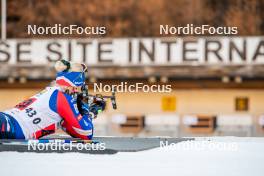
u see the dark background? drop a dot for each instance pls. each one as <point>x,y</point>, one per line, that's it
<point>134,18</point>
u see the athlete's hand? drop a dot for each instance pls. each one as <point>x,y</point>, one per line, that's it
<point>96,107</point>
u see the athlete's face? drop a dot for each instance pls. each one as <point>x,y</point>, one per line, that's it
<point>76,89</point>
<point>72,90</point>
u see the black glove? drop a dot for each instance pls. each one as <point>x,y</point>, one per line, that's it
<point>96,107</point>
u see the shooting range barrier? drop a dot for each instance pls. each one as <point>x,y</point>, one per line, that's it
<point>162,124</point>
<point>101,125</point>
<point>235,125</point>
<point>134,124</point>
<point>204,124</point>
<point>128,124</point>
<point>175,125</point>
<point>260,125</point>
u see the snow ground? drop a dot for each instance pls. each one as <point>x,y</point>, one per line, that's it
<point>222,156</point>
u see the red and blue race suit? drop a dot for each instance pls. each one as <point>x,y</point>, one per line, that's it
<point>43,114</point>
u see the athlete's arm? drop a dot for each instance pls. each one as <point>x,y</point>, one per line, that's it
<point>75,124</point>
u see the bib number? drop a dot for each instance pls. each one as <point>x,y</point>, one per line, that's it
<point>31,113</point>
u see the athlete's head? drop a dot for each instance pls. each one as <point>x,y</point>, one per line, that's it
<point>70,76</point>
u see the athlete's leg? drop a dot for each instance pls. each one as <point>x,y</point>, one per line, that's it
<point>9,128</point>
<point>6,128</point>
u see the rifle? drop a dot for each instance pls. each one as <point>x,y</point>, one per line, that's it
<point>90,98</point>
